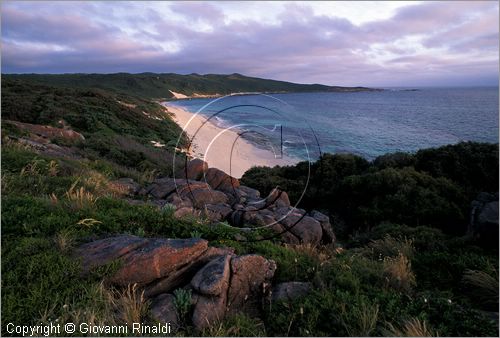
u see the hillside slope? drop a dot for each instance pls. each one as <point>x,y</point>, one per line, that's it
<point>151,85</point>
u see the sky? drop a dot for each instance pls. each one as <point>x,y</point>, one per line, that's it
<point>393,43</point>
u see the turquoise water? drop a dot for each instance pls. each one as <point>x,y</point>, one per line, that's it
<point>365,123</point>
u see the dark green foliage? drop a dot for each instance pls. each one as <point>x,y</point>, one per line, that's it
<point>473,166</point>
<point>433,187</point>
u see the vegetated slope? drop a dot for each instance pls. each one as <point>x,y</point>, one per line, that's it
<point>151,85</point>
<point>116,126</point>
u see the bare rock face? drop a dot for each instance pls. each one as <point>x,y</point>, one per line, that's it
<point>220,180</point>
<point>203,197</point>
<point>143,260</point>
<point>251,275</point>
<point>102,252</point>
<point>195,169</point>
<point>211,283</point>
<point>279,198</point>
<point>163,310</point>
<point>290,291</point>
<point>324,221</point>
<point>217,212</point>
<point>213,278</point>
<point>305,228</point>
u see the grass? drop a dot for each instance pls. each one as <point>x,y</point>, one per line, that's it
<point>411,328</point>
<point>398,273</point>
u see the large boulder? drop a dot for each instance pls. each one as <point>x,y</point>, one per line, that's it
<point>213,278</point>
<point>250,280</point>
<point>104,251</point>
<point>290,290</point>
<point>220,180</point>
<point>203,197</point>
<point>278,198</point>
<point>184,274</point>
<point>142,260</point>
<point>211,283</point>
<point>195,169</point>
<point>305,228</point>
<point>217,212</point>
<point>324,221</point>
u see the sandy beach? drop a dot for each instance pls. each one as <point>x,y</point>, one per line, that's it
<point>223,148</point>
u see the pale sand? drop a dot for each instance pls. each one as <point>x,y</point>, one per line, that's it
<point>213,145</point>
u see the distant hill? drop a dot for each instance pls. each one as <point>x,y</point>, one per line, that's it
<point>156,86</point>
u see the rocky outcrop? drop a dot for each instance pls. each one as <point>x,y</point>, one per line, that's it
<point>222,283</point>
<point>195,169</point>
<point>220,197</point>
<point>143,260</point>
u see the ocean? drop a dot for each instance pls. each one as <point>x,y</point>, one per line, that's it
<point>369,124</point>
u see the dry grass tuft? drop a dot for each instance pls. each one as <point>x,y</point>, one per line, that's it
<point>367,315</point>
<point>80,198</point>
<point>64,241</point>
<point>398,273</point>
<point>484,286</point>
<point>391,247</point>
<point>411,328</point>
<point>131,304</point>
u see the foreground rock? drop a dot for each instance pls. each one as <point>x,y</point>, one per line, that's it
<point>222,283</point>
<point>142,260</point>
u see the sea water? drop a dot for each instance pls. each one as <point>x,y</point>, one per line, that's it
<point>369,124</point>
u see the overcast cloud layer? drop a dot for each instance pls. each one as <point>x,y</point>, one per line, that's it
<point>370,44</point>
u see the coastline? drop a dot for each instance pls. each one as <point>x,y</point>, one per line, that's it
<point>213,144</point>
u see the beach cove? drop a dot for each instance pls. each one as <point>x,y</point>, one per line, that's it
<point>223,148</point>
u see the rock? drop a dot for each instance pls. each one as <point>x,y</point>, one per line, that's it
<point>104,251</point>
<point>305,228</point>
<point>161,188</point>
<point>249,192</point>
<point>183,275</point>
<point>208,310</point>
<point>278,197</point>
<point>213,278</point>
<point>178,201</point>
<point>286,236</point>
<point>157,258</point>
<point>203,197</point>
<point>163,310</point>
<point>324,221</point>
<point>290,291</point>
<point>220,180</point>
<point>217,212</point>
<point>126,186</point>
<point>251,275</point>
<point>195,169</point>
<point>183,212</point>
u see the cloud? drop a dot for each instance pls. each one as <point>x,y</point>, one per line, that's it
<point>416,45</point>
